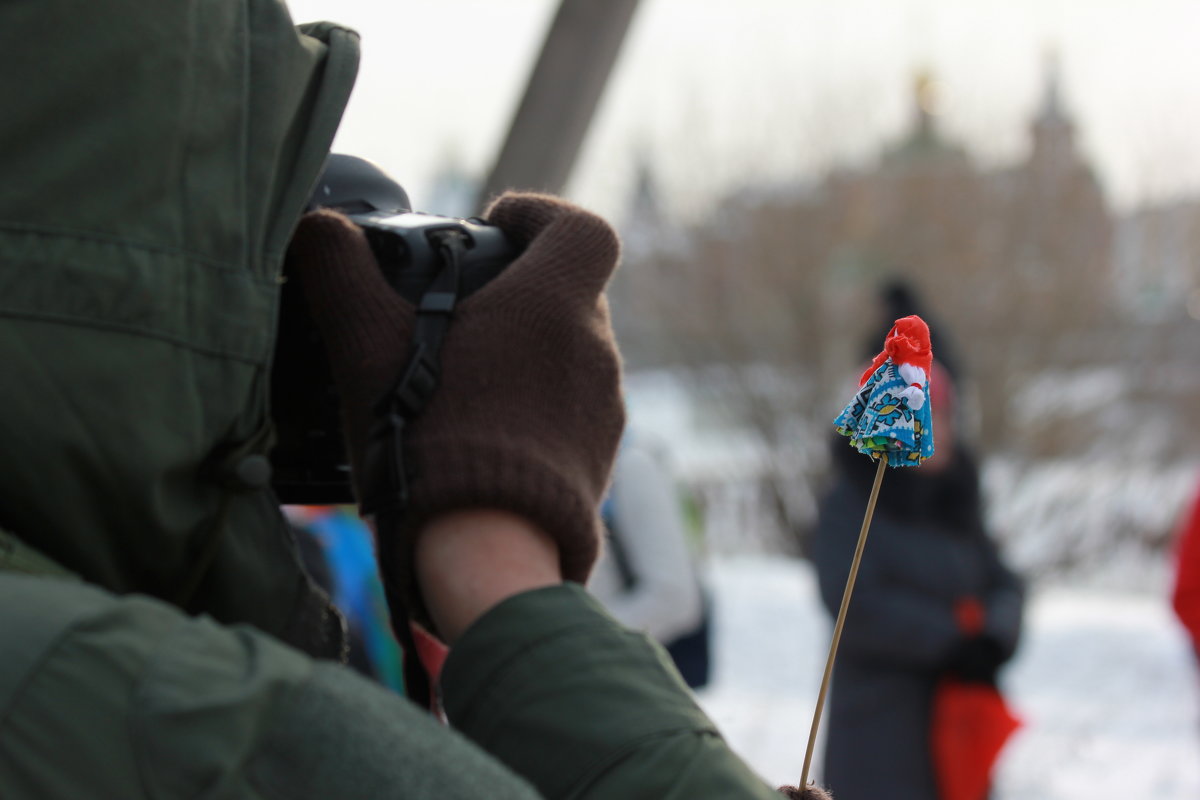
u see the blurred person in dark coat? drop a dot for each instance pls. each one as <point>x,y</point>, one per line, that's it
<point>933,598</point>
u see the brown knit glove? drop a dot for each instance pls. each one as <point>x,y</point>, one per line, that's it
<point>528,411</point>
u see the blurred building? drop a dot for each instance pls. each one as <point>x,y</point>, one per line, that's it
<point>1023,251</point>
<point>1157,262</point>
<point>1069,316</point>
<point>1017,260</point>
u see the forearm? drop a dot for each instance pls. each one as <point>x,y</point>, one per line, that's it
<point>469,561</point>
<point>899,627</point>
<point>885,619</point>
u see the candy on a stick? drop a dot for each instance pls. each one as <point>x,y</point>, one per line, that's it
<point>889,420</point>
<point>889,415</point>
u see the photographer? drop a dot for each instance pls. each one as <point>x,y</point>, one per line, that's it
<point>160,637</point>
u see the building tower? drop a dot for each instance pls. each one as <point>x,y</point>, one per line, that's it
<point>1053,156</point>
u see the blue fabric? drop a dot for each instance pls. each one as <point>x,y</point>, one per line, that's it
<point>358,591</point>
<point>880,422</point>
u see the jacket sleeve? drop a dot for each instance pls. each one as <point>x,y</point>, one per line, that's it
<point>1004,602</point>
<point>888,619</point>
<point>127,697</point>
<point>582,707</point>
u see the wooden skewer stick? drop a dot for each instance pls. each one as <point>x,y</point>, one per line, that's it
<point>841,618</point>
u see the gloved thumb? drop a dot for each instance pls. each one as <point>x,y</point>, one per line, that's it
<point>569,253</point>
<point>364,324</point>
<point>347,294</point>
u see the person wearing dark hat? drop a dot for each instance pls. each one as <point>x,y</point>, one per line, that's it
<point>160,637</point>
<point>899,297</point>
<point>933,599</point>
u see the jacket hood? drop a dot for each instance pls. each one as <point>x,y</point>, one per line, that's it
<point>156,163</point>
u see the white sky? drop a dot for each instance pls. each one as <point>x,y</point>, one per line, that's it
<point>718,92</point>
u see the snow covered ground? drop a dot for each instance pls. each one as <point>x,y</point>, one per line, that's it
<point>1105,683</point>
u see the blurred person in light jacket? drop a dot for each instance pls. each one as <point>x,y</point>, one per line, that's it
<point>648,575</point>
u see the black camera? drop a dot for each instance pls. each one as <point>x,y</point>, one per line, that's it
<point>309,461</point>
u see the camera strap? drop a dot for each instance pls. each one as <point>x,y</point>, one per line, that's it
<point>388,472</point>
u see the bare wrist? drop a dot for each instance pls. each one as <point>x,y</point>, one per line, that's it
<point>469,561</point>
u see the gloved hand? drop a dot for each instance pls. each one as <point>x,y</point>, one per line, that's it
<point>528,411</point>
<point>976,659</point>
<point>810,792</point>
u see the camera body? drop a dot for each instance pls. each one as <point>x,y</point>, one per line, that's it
<point>309,461</point>
<point>405,246</point>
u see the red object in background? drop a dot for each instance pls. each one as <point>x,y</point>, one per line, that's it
<point>969,615</point>
<point>1186,596</point>
<point>431,653</point>
<point>971,723</point>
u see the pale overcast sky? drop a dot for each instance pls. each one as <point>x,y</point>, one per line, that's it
<point>726,91</point>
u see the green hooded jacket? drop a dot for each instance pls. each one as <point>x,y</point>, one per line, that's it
<point>158,638</point>
<point>156,158</point>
